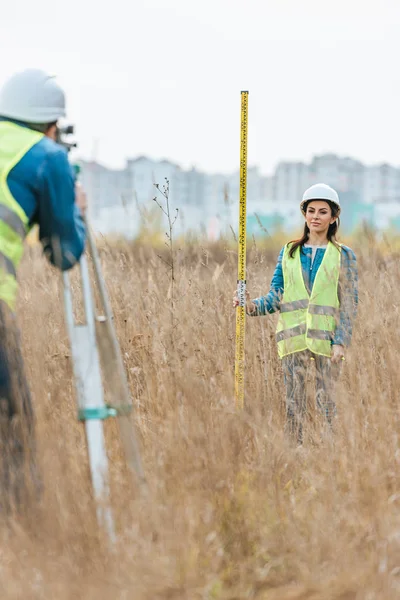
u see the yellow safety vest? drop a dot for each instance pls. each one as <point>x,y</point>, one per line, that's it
<point>15,142</point>
<point>308,321</point>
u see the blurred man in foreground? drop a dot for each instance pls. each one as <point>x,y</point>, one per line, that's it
<point>37,187</point>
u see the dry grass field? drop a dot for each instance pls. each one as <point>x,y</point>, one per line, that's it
<point>234,511</point>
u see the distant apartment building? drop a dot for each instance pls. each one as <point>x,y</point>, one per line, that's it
<point>382,191</point>
<point>382,185</point>
<point>117,197</point>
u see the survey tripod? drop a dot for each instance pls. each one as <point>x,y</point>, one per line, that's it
<point>96,357</point>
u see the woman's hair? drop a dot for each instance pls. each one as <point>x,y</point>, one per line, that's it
<point>331,235</point>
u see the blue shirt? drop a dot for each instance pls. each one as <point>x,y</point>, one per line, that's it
<point>43,183</point>
<point>348,289</point>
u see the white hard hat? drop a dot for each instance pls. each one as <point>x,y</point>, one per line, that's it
<point>320,191</point>
<point>32,96</point>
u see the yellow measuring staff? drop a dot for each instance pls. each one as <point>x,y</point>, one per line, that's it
<point>241,281</point>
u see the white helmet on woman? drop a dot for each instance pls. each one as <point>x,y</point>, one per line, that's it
<point>320,191</point>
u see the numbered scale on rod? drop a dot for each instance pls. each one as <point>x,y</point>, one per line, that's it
<point>241,280</point>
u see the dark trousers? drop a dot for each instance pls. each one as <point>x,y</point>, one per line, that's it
<point>17,423</point>
<point>295,367</point>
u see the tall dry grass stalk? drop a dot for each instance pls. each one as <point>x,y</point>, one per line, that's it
<point>234,511</point>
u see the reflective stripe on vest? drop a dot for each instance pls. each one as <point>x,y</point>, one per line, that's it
<point>15,142</point>
<point>308,322</point>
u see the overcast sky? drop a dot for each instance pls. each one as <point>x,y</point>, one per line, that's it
<point>163,77</point>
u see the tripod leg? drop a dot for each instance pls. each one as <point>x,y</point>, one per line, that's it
<point>114,371</point>
<point>87,372</point>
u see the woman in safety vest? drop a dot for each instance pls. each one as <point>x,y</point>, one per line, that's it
<point>315,289</point>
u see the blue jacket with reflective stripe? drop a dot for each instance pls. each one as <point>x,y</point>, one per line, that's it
<point>43,183</point>
<point>348,298</point>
